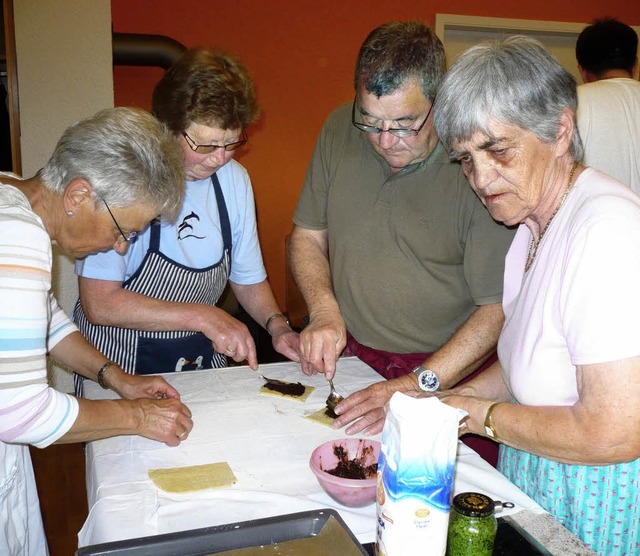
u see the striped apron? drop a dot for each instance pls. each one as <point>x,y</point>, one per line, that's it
<point>146,352</point>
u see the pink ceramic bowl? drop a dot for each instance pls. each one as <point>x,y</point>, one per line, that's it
<point>348,492</point>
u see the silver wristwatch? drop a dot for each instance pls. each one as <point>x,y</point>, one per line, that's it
<point>427,380</point>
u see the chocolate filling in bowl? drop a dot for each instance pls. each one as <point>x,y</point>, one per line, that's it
<point>353,468</point>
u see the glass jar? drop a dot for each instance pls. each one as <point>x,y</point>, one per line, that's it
<point>472,525</point>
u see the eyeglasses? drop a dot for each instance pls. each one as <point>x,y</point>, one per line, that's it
<point>398,132</point>
<point>207,149</point>
<point>124,237</point>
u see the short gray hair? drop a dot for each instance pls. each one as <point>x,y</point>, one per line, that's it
<point>515,81</point>
<point>126,155</point>
<point>397,52</point>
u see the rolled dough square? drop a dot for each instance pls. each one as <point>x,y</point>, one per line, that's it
<point>321,417</point>
<point>194,477</point>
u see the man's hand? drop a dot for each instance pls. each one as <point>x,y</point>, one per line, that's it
<point>322,342</point>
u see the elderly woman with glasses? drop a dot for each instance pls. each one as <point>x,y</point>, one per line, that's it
<point>122,157</point>
<point>154,309</point>
<point>564,398</point>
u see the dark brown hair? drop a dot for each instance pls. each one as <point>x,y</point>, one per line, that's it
<point>205,87</point>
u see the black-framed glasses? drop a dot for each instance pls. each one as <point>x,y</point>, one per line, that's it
<point>397,131</point>
<point>124,237</point>
<point>208,149</point>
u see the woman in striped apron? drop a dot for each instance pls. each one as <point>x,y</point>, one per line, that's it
<point>153,309</point>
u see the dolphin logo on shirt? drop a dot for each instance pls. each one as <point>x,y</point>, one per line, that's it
<point>185,229</point>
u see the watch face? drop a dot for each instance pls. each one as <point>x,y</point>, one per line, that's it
<point>428,380</point>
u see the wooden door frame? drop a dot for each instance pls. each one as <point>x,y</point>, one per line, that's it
<point>12,81</point>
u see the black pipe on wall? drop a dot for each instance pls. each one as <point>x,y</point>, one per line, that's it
<point>134,49</point>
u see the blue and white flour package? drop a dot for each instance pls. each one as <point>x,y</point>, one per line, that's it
<point>415,476</point>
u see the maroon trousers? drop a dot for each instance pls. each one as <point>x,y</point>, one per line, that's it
<point>392,365</point>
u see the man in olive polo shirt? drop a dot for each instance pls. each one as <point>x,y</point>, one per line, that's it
<point>397,259</point>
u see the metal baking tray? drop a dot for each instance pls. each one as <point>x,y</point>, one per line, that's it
<point>221,538</point>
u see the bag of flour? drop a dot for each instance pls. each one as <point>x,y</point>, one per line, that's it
<point>415,476</point>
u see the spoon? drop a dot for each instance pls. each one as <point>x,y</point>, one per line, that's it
<point>271,380</point>
<point>334,398</point>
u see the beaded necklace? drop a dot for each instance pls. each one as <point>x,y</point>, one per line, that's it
<point>533,246</point>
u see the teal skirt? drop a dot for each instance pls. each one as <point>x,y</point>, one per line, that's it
<point>599,504</point>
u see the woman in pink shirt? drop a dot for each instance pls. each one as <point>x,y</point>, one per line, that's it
<point>564,398</point>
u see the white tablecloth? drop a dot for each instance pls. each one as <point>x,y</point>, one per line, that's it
<point>266,441</point>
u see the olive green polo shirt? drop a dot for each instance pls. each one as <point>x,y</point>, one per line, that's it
<point>412,254</point>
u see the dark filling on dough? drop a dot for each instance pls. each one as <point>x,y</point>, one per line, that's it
<point>286,388</point>
<point>330,413</point>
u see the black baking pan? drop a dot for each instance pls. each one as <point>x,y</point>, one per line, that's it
<point>513,539</point>
<point>220,538</point>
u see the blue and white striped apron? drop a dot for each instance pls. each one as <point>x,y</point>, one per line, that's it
<point>145,352</point>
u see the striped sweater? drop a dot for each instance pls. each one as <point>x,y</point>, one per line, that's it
<point>31,323</point>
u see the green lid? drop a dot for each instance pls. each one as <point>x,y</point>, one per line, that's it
<point>473,504</point>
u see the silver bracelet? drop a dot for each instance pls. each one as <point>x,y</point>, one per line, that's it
<point>275,316</point>
<point>100,378</point>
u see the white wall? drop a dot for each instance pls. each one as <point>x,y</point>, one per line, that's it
<point>63,50</point>
<point>460,32</point>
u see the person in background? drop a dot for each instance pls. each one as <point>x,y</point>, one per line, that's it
<point>609,101</point>
<point>107,178</point>
<point>153,309</point>
<point>564,398</point>
<point>398,261</point>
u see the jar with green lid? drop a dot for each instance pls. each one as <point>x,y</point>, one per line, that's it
<point>472,525</point>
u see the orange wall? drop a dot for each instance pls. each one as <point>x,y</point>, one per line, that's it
<point>301,55</point>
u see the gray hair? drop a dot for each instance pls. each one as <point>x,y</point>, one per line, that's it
<point>515,81</point>
<point>126,155</point>
<point>397,52</point>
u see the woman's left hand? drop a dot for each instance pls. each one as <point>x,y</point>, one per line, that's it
<point>287,342</point>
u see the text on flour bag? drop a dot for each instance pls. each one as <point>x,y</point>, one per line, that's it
<point>415,476</point>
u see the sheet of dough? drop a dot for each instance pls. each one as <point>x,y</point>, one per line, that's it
<point>307,392</point>
<point>194,477</point>
<point>321,417</point>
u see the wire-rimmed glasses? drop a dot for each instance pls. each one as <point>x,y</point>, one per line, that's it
<point>208,149</point>
<point>124,237</point>
<point>401,132</point>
